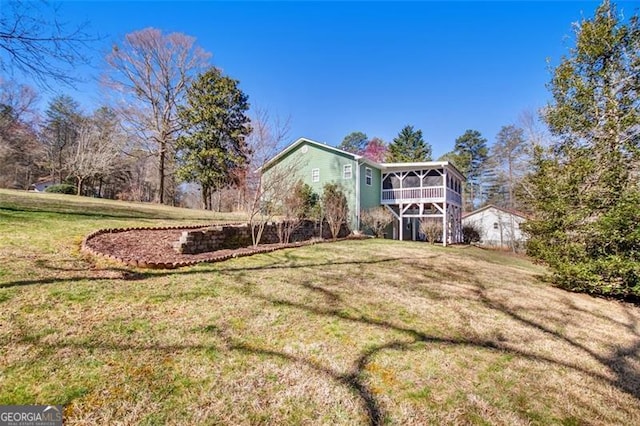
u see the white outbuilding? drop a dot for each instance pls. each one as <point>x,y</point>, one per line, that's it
<point>498,227</point>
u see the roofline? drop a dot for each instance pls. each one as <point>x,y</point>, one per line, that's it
<point>505,210</point>
<point>299,141</point>
<point>364,160</point>
<point>425,164</point>
<point>369,162</point>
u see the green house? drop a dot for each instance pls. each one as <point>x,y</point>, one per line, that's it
<point>411,191</point>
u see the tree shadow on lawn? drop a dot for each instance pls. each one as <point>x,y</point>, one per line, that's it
<point>627,377</point>
<point>102,214</point>
<point>355,378</point>
<point>618,361</point>
<point>126,274</point>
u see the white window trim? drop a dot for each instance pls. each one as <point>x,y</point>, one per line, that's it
<point>368,176</point>
<point>315,175</point>
<point>344,171</point>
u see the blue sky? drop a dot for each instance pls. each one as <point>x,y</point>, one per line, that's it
<point>338,67</point>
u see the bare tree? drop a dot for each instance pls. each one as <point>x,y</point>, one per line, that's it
<point>151,72</point>
<point>376,219</point>
<point>431,228</point>
<point>98,148</point>
<point>20,99</point>
<point>265,187</point>
<point>21,156</point>
<point>36,43</point>
<point>537,136</point>
<point>296,205</point>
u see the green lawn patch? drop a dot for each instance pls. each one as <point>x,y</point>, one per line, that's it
<point>355,332</point>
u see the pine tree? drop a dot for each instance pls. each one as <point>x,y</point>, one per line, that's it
<point>507,153</point>
<point>354,142</point>
<point>469,156</point>
<point>60,134</point>
<point>409,146</point>
<point>586,188</point>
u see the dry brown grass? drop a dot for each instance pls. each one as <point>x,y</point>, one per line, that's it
<point>357,332</point>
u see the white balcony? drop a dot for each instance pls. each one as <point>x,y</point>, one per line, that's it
<point>430,194</point>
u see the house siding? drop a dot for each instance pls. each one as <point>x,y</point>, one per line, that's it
<point>306,157</point>
<point>370,194</point>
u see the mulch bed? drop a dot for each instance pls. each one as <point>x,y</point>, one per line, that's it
<point>153,248</point>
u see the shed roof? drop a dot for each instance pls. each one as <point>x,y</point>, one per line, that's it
<point>502,209</point>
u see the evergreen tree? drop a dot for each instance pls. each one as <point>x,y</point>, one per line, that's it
<point>469,156</point>
<point>213,149</point>
<point>60,134</point>
<point>585,189</point>
<point>354,142</point>
<point>409,146</point>
<point>507,153</point>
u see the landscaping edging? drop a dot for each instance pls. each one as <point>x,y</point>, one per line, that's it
<point>146,264</point>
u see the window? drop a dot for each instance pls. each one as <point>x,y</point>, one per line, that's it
<point>391,182</point>
<point>346,171</point>
<point>495,225</point>
<point>315,175</point>
<point>368,176</point>
<point>411,180</point>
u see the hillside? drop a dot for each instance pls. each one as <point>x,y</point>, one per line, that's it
<point>355,332</point>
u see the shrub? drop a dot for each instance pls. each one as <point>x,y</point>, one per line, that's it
<point>62,188</point>
<point>470,234</point>
<point>336,210</point>
<point>431,228</point>
<point>376,219</point>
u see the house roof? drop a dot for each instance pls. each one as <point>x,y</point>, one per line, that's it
<point>381,166</point>
<point>300,141</point>
<point>502,209</point>
<point>421,164</point>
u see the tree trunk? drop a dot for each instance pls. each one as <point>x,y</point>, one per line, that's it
<point>163,146</point>
<point>79,189</point>
<point>206,202</point>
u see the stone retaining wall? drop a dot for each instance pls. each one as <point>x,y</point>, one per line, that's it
<point>235,236</point>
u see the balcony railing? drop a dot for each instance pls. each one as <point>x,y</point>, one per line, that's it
<point>390,196</point>
<point>454,197</point>
<point>416,195</point>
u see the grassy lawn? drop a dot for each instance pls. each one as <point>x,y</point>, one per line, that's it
<point>356,332</point>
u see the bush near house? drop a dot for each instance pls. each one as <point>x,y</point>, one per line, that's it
<point>376,219</point>
<point>62,188</point>
<point>432,229</point>
<point>335,207</point>
<point>470,234</point>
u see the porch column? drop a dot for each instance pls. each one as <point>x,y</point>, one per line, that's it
<point>444,206</point>
<point>401,225</point>
<point>444,225</point>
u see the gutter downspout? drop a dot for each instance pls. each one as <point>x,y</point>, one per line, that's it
<point>358,195</point>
